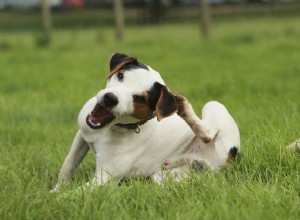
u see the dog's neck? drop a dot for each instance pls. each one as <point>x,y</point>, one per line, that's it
<point>135,126</point>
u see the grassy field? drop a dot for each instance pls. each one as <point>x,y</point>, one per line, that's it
<point>250,65</point>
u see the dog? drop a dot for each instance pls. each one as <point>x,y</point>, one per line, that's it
<point>132,128</point>
<point>294,146</point>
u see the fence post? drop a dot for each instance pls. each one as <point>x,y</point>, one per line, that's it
<point>205,18</point>
<point>119,19</point>
<point>46,19</point>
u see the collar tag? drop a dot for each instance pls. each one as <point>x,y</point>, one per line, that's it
<point>137,130</point>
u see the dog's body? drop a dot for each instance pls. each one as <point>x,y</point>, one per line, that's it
<point>122,152</point>
<point>120,127</point>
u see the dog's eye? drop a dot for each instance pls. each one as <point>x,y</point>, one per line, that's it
<point>120,76</point>
<point>139,99</point>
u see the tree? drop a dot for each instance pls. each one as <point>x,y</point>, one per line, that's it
<point>119,19</point>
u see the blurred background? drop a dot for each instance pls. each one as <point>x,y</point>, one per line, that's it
<point>54,55</point>
<point>31,15</point>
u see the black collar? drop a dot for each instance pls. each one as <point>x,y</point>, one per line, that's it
<point>134,126</point>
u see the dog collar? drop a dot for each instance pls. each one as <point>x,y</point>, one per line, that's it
<point>134,126</point>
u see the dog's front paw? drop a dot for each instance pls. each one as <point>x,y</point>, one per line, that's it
<point>182,104</point>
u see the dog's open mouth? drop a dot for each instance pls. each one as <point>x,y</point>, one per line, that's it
<point>99,117</point>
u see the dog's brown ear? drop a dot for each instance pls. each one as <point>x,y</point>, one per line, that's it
<point>118,61</point>
<point>166,104</point>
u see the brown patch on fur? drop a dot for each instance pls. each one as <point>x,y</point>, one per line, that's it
<point>158,114</point>
<point>118,68</point>
<point>233,152</point>
<point>142,111</point>
<point>230,159</point>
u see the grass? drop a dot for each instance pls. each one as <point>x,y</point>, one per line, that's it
<point>250,65</point>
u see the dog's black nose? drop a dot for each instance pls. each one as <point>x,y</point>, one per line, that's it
<point>110,100</point>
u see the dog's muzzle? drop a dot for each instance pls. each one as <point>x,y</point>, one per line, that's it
<point>101,114</point>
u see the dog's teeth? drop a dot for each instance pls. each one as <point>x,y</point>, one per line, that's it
<point>95,124</point>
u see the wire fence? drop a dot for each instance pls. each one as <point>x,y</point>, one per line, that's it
<point>102,15</point>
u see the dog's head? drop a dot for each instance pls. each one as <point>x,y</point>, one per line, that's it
<point>134,92</point>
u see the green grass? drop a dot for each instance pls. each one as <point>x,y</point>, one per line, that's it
<point>252,66</point>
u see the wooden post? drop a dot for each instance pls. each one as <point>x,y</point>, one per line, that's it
<point>119,19</point>
<point>205,18</point>
<point>46,19</point>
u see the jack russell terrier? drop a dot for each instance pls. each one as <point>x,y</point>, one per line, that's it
<point>132,129</point>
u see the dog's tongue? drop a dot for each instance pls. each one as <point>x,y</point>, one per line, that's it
<point>99,117</point>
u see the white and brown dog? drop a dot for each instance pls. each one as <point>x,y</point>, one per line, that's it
<point>131,128</point>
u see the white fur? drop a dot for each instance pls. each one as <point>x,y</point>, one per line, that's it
<point>294,146</point>
<point>221,128</point>
<point>120,152</point>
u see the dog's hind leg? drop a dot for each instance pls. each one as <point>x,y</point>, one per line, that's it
<point>189,160</point>
<point>180,168</point>
<point>199,127</point>
<point>77,153</point>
